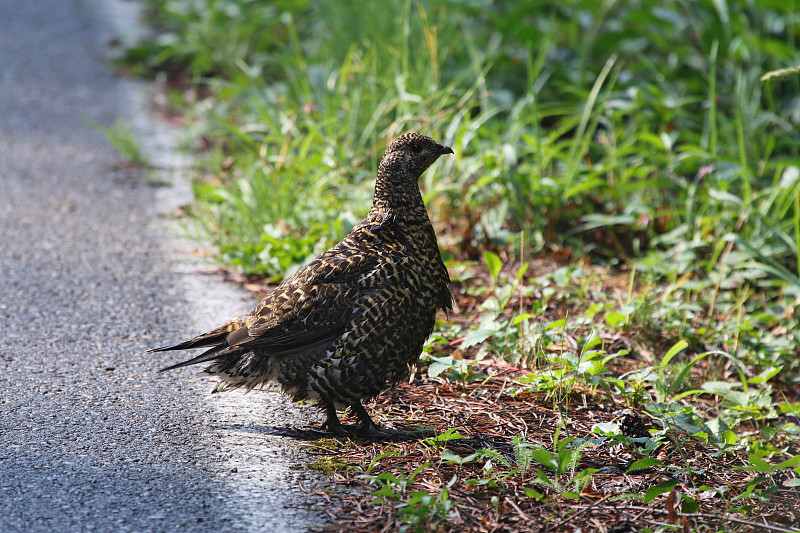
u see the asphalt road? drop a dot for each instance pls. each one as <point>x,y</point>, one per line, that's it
<point>92,438</point>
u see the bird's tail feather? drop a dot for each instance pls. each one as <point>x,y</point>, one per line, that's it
<point>217,339</point>
<point>216,352</point>
<point>186,345</point>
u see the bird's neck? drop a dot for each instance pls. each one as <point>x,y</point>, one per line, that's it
<point>395,197</point>
<point>409,209</point>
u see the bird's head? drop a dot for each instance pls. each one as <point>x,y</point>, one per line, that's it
<point>404,162</point>
<point>411,154</point>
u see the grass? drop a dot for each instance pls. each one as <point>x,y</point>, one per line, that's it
<point>608,145</point>
<point>124,141</point>
<point>621,222</point>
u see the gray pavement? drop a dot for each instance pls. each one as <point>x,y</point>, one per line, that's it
<point>91,437</point>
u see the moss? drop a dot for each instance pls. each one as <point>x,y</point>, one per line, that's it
<point>327,465</point>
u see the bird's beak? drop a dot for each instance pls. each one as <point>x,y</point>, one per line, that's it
<point>445,150</point>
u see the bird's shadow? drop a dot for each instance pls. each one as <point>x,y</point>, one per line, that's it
<point>310,434</point>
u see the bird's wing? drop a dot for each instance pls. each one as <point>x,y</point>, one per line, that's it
<point>316,304</point>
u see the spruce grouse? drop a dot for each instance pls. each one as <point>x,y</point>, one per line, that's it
<point>355,318</point>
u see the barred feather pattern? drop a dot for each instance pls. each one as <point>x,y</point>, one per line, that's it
<point>355,319</point>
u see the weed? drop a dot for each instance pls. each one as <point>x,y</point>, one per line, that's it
<point>124,141</point>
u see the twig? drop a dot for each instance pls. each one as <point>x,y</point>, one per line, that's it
<point>519,511</point>
<point>583,510</point>
<point>706,516</point>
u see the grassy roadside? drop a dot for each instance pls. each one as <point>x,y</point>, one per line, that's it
<point>622,225</point>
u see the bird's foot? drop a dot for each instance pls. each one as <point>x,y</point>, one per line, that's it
<point>368,428</point>
<point>337,428</point>
<point>333,425</point>
<point>374,431</point>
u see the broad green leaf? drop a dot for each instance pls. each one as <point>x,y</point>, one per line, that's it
<point>439,365</point>
<point>765,375</point>
<point>642,464</point>
<point>656,491</point>
<point>451,457</point>
<point>522,317</point>
<point>606,428</point>
<point>789,463</point>
<point>476,336</point>
<point>450,434</point>
<point>616,319</point>
<point>689,505</point>
<point>544,458</point>
<point>532,493</point>
<point>757,463</point>
<point>493,263</point>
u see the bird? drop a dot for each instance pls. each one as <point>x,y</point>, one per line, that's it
<point>354,320</point>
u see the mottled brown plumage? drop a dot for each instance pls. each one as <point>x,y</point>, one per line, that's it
<point>355,318</point>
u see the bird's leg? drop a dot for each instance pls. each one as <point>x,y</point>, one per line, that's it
<point>332,422</point>
<point>368,426</point>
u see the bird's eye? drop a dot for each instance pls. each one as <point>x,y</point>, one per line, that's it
<point>416,148</point>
